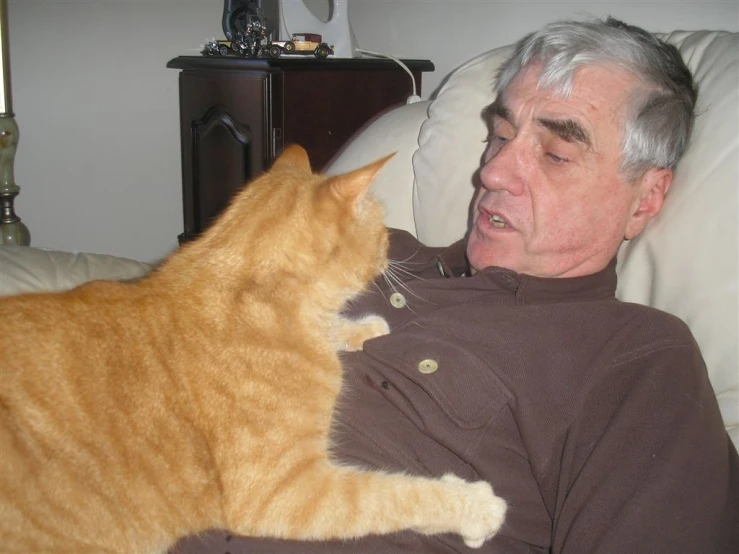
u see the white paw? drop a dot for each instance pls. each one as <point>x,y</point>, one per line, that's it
<point>484,512</point>
<point>375,324</point>
<point>350,334</point>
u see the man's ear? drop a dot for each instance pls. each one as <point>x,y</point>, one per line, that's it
<point>653,187</point>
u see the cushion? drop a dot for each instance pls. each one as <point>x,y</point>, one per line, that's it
<point>395,131</point>
<point>687,262</point>
<point>27,269</point>
<point>451,145</point>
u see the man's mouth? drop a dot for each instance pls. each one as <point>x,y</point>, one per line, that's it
<point>497,222</point>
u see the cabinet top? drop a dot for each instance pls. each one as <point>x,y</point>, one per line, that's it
<point>290,64</point>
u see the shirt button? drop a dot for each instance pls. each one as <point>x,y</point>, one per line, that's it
<point>428,366</point>
<point>440,267</point>
<point>397,300</point>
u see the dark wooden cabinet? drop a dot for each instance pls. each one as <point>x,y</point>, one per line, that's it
<point>237,114</point>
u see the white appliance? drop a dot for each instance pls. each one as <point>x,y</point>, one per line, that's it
<point>295,17</point>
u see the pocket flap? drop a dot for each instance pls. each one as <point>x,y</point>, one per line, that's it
<point>461,383</point>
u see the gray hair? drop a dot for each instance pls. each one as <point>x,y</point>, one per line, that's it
<point>659,119</point>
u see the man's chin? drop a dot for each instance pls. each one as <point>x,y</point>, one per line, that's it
<point>481,255</point>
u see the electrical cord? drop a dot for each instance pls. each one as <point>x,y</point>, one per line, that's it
<point>413,97</point>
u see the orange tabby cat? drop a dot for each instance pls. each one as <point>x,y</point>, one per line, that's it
<point>202,395</point>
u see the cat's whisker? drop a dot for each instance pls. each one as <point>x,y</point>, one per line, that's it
<point>376,285</point>
<point>402,285</point>
<point>394,283</point>
<point>407,260</point>
<point>398,266</point>
<point>389,280</point>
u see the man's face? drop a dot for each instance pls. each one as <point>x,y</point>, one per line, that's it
<point>552,203</point>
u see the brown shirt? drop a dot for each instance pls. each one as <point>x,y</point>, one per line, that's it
<point>593,418</point>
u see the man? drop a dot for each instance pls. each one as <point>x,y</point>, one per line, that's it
<point>510,360</point>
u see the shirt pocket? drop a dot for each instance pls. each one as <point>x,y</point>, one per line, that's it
<point>439,382</point>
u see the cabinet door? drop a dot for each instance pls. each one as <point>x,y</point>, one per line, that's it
<point>324,108</point>
<point>226,139</point>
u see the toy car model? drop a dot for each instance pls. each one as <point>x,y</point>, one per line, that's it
<point>248,43</point>
<point>301,43</point>
<point>222,47</point>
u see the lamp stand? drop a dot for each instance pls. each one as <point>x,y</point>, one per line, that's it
<point>13,231</point>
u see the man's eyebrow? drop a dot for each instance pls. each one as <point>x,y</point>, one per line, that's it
<point>497,109</point>
<point>567,129</point>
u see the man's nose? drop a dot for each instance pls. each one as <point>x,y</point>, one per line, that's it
<point>504,170</point>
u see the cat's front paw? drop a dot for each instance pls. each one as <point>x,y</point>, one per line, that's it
<point>351,334</point>
<point>374,326</point>
<point>484,512</point>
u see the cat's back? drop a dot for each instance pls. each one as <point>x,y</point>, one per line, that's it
<point>45,329</point>
<point>92,433</point>
<point>42,311</point>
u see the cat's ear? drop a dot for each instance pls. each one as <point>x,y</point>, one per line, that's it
<point>351,187</point>
<point>293,157</point>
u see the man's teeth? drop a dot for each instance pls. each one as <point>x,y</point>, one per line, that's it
<point>497,222</point>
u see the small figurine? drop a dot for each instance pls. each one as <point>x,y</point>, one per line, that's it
<point>211,48</point>
<point>301,43</point>
<point>247,39</point>
<point>254,38</point>
<point>253,44</point>
<point>248,34</point>
<point>223,47</point>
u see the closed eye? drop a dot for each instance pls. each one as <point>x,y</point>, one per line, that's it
<point>500,139</point>
<point>557,159</point>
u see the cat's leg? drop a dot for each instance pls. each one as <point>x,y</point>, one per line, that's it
<point>349,334</point>
<point>328,502</point>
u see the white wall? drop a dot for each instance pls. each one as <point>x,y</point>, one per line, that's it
<point>98,160</point>
<point>450,32</point>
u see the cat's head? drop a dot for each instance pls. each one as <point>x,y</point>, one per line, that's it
<point>290,223</point>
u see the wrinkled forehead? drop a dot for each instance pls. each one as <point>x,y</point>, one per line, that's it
<point>594,108</point>
<point>563,83</point>
<point>592,88</point>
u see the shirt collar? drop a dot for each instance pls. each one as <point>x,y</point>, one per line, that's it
<point>534,290</point>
